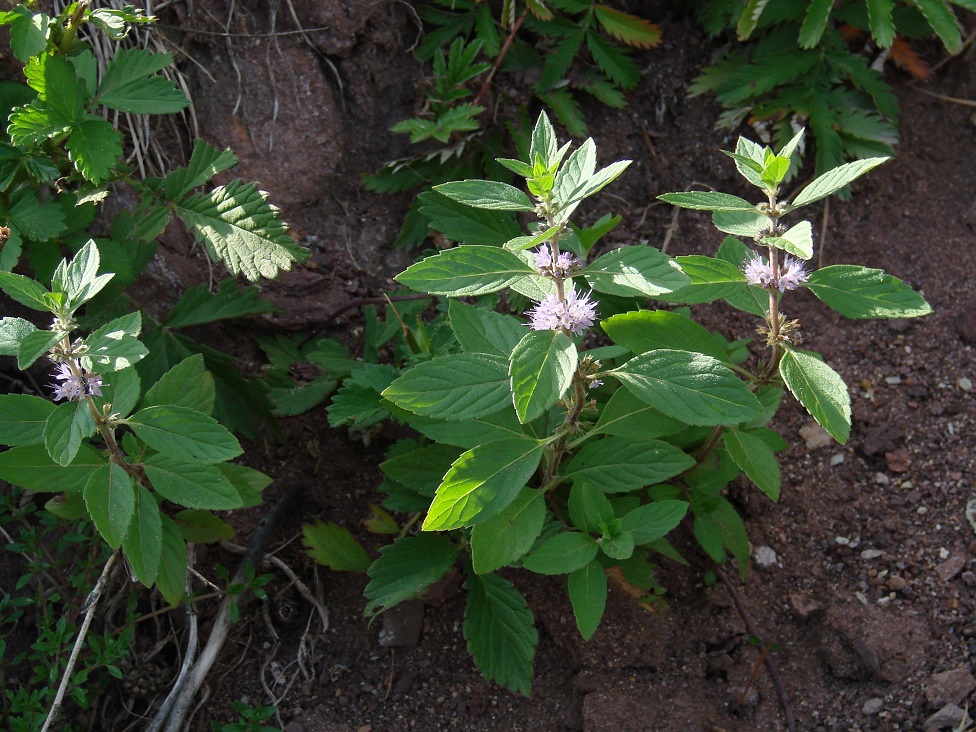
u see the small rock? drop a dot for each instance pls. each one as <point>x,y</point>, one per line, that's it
<point>872,706</point>
<point>965,383</point>
<point>402,625</point>
<point>971,512</point>
<point>837,458</point>
<point>881,479</point>
<point>764,556</point>
<point>897,583</point>
<point>883,438</point>
<point>898,461</point>
<point>803,606</point>
<point>949,716</point>
<point>815,436</point>
<point>898,325</point>
<point>949,687</point>
<point>871,553</point>
<point>951,567</point>
<point>969,579</point>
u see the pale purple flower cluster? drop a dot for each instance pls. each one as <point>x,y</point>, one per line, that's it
<point>575,314</point>
<point>792,273</point>
<point>563,267</point>
<point>76,386</point>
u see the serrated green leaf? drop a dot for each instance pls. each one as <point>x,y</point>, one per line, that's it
<point>128,87</point>
<point>613,61</point>
<point>199,305</point>
<point>861,292</point>
<point>881,22</point>
<point>720,528</point>
<point>335,547</point>
<point>466,270</point>
<point>248,482</point>
<point>202,527</point>
<point>405,568</point>
<point>647,330</point>
<point>29,32</point>
<point>748,224</point>
<point>188,384</point>
<point>708,201</point>
<point>453,387</point>
<point>79,278</point>
<point>13,331</point>
<point>110,497</point>
<point>242,230</point>
<point>22,419</point>
<point>205,162</point>
<point>35,220</point>
<point>488,194</point>
<point>66,427</point>
<point>421,469</point>
<point>635,270</point>
<point>482,482</point>
<point>171,577</point>
<point>483,331</point>
<point>619,464</point>
<point>940,16</point>
<point>114,346</point>
<point>692,387</point>
<point>756,459</point>
<point>587,588</point>
<point>627,28</point>
<point>814,23</point>
<point>749,298</point>
<point>577,169</point>
<point>500,631</point>
<point>797,240</point>
<point>544,148</point>
<point>505,537</point>
<point>820,390</point>
<point>624,416</point>
<point>541,370</point>
<point>189,484</point>
<point>184,433</point>
<point>589,510</point>
<point>25,291</point>
<point>143,543</point>
<point>749,18</point>
<point>563,553</point>
<point>357,403</point>
<point>833,180</point>
<point>34,345</point>
<point>462,223</point>
<point>473,432</point>
<point>651,522</point>
<point>32,468</point>
<point>94,146</point>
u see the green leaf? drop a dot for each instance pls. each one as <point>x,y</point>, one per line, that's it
<point>12,332</point>
<point>79,278</point>
<point>57,84</point>
<point>143,544</point>
<point>940,16</point>
<point>461,223</point>
<point>563,553</point>
<point>624,416</point>
<point>484,331</point>
<point>66,427</point>
<point>833,180</point>
<point>618,545</point>
<point>22,419</point>
<point>114,346</point>
<point>505,537</point>
<point>407,567</point>
<point>587,588</point>
<point>25,291</point>
<point>128,87</point>
<point>171,577</point>
<point>641,331</point>
<point>544,147</point>
<point>29,32</point>
<point>465,270</point>
<point>188,384</point>
<point>488,194</point>
<point>613,61</point>
<point>756,459</point>
<point>708,201</point>
<point>500,631</point>
<point>184,433</point>
<point>692,387</point>
<point>820,390</point>
<point>748,298</point>
<point>881,22</point>
<point>34,345</point>
<point>35,220</point>
<point>720,528</point>
<point>453,387</point>
<point>335,547</point>
<point>248,482</point>
<point>797,240</point>
<point>473,432</point>
<point>421,469</point>
<point>190,485</point>
<point>206,161</point>
<point>242,230</point>
<point>94,146</point>
<point>33,124</point>
<point>573,174</point>
<point>541,368</point>
<point>635,270</point>
<point>199,305</point>
<point>860,292</point>
<point>652,521</point>
<point>202,527</point>
<point>589,510</point>
<point>749,18</point>
<point>619,464</point>
<point>814,23</point>
<point>627,28</point>
<point>110,496</point>
<point>483,481</point>
<point>711,279</point>
<point>590,186</point>
<point>32,468</point>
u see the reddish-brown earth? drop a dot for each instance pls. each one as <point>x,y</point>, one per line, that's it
<point>873,588</point>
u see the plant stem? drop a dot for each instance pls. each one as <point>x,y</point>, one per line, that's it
<point>572,419</point>
<point>91,604</point>
<point>501,55</point>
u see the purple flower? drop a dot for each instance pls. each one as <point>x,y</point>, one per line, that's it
<point>76,386</point>
<point>759,272</point>
<point>563,267</point>
<point>575,314</point>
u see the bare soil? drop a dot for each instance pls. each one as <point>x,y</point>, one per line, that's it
<point>872,591</point>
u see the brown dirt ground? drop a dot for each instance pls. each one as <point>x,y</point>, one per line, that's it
<point>873,588</point>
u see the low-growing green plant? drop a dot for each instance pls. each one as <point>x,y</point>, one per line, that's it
<point>251,719</point>
<point>796,64</point>
<point>541,449</point>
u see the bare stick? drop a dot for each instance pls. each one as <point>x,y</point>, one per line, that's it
<point>91,604</point>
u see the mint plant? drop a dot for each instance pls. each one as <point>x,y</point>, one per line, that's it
<point>544,450</point>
